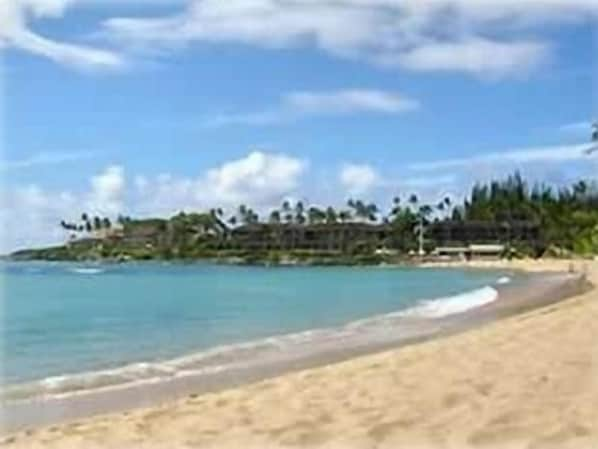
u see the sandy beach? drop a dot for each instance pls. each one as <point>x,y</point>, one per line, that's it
<point>528,381</point>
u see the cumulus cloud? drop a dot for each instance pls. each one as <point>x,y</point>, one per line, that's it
<point>423,35</point>
<point>107,192</point>
<point>358,179</point>
<point>302,104</point>
<point>259,179</point>
<point>30,215</point>
<point>15,31</point>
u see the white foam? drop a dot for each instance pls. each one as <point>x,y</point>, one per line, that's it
<point>503,280</point>
<point>453,305</point>
<point>87,270</point>
<point>225,357</point>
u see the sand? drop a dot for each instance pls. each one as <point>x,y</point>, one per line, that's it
<point>529,381</point>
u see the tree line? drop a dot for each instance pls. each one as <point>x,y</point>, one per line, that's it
<point>567,216</point>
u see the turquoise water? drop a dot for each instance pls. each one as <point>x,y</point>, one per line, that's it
<point>70,318</point>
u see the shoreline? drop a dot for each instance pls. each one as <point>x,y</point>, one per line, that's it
<point>541,289</point>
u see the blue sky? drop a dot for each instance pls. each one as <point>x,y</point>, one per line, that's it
<point>149,107</point>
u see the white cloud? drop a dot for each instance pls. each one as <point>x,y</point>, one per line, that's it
<point>259,179</point>
<point>15,18</point>
<point>107,192</point>
<point>259,176</point>
<point>44,159</point>
<point>415,34</point>
<point>349,101</point>
<point>302,104</point>
<point>30,216</point>
<point>263,118</point>
<point>359,179</point>
<point>423,35</point>
<point>517,156</point>
<point>477,56</point>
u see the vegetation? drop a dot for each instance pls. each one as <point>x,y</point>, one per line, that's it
<point>566,217</point>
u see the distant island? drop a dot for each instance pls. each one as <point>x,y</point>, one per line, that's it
<point>504,218</point>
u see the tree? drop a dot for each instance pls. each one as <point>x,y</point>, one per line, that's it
<point>331,215</point>
<point>299,210</point>
<point>275,217</point>
<point>413,200</point>
<point>344,216</point>
<point>315,215</point>
<point>106,223</point>
<point>97,223</point>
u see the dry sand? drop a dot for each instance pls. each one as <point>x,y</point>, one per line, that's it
<point>529,381</point>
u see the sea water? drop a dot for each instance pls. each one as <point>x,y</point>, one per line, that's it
<point>71,326</point>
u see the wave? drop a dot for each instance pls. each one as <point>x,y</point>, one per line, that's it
<point>503,280</point>
<point>387,327</point>
<point>87,270</point>
<point>455,304</point>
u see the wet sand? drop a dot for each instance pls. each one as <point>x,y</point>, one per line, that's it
<point>526,381</point>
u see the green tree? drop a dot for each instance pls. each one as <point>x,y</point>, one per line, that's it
<point>275,217</point>
<point>97,223</point>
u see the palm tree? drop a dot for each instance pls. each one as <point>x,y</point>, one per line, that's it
<point>275,217</point>
<point>299,209</point>
<point>372,211</point>
<point>300,219</point>
<point>97,223</point>
<point>413,200</point>
<point>287,211</point>
<point>425,210</point>
<point>331,215</point>
<point>316,215</point>
<point>344,216</point>
<point>106,223</point>
<point>286,206</point>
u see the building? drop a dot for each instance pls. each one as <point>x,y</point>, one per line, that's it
<point>464,233</point>
<point>467,238</point>
<point>341,237</point>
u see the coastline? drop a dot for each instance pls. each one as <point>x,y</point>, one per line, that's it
<point>511,303</point>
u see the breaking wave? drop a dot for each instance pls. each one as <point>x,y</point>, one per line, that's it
<point>387,327</point>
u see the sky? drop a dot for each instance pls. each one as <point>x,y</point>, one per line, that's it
<point>150,107</point>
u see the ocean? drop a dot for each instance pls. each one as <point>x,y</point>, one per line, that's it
<point>68,327</point>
